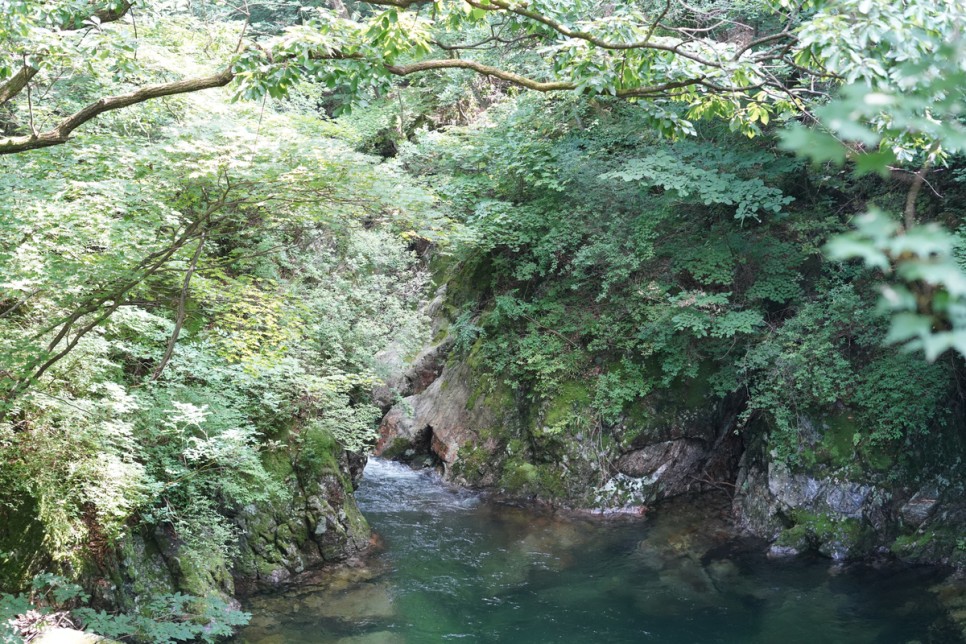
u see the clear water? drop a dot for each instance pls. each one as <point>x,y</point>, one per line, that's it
<point>453,567</point>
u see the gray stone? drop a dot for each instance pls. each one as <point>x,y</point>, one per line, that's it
<point>915,512</point>
<point>674,464</point>
<point>781,552</point>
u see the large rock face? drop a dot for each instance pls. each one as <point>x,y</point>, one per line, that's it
<point>314,521</point>
<point>317,523</point>
<point>448,411</point>
<point>481,433</point>
<point>841,519</point>
<point>438,420</point>
<point>831,510</point>
<point>452,414</point>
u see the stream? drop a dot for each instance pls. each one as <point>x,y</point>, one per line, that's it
<point>454,566</point>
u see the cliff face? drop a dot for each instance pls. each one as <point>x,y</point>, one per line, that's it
<point>453,413</point>
<point>313,521</point>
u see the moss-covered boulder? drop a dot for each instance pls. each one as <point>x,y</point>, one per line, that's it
<point>315,521</point>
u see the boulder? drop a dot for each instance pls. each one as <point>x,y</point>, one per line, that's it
<point>919,508</point>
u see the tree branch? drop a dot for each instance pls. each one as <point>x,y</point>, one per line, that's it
<point>645,43</point>
<point>102,15</point>
<point>480,68</point>
<point>60,133</point>
<point>909,212</point>
<point>19,81</point>
<point>182,310</point>
<point>16,83</point>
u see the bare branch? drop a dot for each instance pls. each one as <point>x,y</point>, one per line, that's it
<point>502,5</point>
<point>480,68</point>
<point>477,45</point>
<point>182,309</point>
<point>909,212</point>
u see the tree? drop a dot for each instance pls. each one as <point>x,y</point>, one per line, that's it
<point>899,65</point>
<point>900,115</point>
<point>637,50</point>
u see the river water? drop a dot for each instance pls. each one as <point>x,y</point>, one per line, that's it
<point>455,567</point>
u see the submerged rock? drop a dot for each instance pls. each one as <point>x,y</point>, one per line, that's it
<point>952,594</point>
<point>379,637</point>
<point>365,601</point>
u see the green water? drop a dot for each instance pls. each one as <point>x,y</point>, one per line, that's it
<point>455,568</point>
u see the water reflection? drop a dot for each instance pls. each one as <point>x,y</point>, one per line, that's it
<point>456,567</point>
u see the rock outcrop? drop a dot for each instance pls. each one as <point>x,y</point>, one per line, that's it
<point>446,409</point>
<point>317,523</point>
<point>312,522</point>
<point>480,433</point>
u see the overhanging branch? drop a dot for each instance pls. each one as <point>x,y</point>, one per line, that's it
<point>59,134</point>
<point>19,81</point>
<point>16,83</point>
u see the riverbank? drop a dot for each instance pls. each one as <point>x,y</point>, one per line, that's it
<point>456,564</point>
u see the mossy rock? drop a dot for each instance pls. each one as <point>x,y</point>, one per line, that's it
<point>931,544</point>
<point>322,451</point>
<point>838,538</point>
<point>841,446</point>
<point>543,481</point>
<point>142,571</point>
<point>278,464</point>
<point>572,399</point>
<point>397,448</point>
<point>684,411</point>
<point>22,553</point>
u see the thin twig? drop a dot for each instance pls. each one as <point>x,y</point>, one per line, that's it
<point>30,102</point>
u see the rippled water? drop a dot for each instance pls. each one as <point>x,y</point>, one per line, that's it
<point>455,567</point>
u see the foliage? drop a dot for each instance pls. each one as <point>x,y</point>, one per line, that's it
<point>181,308</point>
<point>163,619</point>
<point>904,105</point>
<point>747,63</point>
<point>829,356</point>
<point>674,173</point>
<point>640,282</point>
<point>928,302</point>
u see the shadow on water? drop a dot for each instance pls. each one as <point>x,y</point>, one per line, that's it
<point>454,566</point>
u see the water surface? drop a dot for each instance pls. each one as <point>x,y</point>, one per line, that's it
<point>455,567</point>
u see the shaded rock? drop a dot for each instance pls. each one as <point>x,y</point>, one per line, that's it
<point>403,377</point>
<point>939,539</point>
<point>777,551</point>
<point>317,523</point>
<point>671,465</point>
<point>840,519</point>
<point>398,432</point>
<point>437,421</point>
<point>915,511</point>
<point>414,378</point>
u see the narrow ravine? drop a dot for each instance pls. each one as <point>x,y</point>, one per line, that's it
<point>454,566</point>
